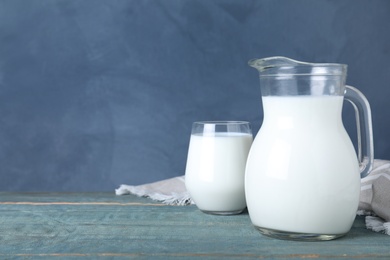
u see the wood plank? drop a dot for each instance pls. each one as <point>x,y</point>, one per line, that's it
<point>77,225</point>
<point>92,197</point>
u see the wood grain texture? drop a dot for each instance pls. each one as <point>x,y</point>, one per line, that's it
<point>91,225</point>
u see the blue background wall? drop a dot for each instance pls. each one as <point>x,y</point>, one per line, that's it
<point>96,93</point>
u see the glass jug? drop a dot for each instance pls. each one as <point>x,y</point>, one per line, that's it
<point>302,178</point>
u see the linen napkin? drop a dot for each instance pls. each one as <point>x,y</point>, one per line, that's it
<point>171,191</point>
<point>374,198</point>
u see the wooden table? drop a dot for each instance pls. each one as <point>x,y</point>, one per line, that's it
<point>91,225</point>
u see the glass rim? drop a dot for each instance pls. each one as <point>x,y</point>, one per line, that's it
<point>221,122</point>
<point>282,66</point>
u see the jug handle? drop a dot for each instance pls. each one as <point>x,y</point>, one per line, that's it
<point>364,129</point>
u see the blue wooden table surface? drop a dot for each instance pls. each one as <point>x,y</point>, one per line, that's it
<point>92,225</point>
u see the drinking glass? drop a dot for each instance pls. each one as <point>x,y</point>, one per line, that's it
<point>216,161</point>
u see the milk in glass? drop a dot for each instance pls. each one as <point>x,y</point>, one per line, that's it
<point>215,170</point>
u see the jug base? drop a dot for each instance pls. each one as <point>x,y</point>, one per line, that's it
<point>297,236</point>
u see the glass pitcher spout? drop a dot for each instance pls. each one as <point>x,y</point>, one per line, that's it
<point>272,62</point>
<point>281,76</point>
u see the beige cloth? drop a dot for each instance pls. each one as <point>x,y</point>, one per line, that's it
<point>374,199</point>
<point>171,191</point>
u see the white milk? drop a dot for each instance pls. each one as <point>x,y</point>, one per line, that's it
<point>302,173</point>
<point>215,170</point>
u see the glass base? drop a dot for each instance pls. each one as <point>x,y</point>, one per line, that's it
<point>297,236</point>
<point>222,213</point>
